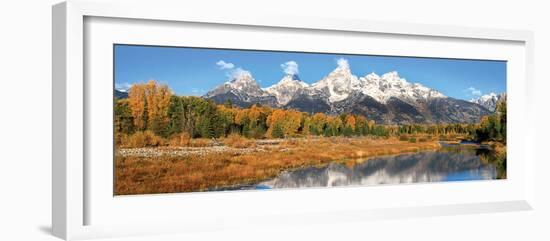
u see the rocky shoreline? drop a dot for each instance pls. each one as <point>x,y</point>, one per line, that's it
<point>213,148</point>
<point>184,151</point>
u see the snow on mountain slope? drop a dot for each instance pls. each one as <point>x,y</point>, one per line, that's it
<point>382,88</point>
<point>285,89</point>
<point>338,84</point>
<point>387,99</point>
<point>121,93</point>
<point>242,90</point>
<point>489,101</point>
<point>241,84</point>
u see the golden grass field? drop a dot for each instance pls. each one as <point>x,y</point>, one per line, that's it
<point>242,161</point>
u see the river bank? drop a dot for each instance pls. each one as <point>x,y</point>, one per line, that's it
<point>190,169</point>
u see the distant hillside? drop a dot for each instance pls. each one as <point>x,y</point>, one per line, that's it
<point>120,94</point>
<point>490,101</point>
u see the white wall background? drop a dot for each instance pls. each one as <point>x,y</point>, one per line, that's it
<point>25,118</point>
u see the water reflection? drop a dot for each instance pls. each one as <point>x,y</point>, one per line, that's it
<point>451,163</point>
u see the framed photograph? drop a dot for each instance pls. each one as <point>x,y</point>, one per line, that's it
<point>177,121</point>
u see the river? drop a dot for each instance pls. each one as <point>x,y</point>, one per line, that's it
<point>452,162</point>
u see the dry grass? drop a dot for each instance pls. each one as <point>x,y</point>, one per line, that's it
<point>200,142</point>
<point>168,174</point>
<point>140,139</point>
<point>238,141</point>
<point>183,139</point>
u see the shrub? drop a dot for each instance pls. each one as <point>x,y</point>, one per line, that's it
<point>200,142</point>
<point>137,140</point>
<point>403,138</point>
<point>121,139</point>
<point>143,139</point>
<point>238,141</point>
<point>182,139</point>
<point>412,140</point>
<point>152,140</point>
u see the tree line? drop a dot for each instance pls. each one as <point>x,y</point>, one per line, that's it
<point>152,107</point>
<point>493,127</point>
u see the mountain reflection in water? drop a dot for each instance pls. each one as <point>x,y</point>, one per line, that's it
<point>451,163</point>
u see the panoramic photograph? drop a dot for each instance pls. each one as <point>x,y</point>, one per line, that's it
<point>192,119</point>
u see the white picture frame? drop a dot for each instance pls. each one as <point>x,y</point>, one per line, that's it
<point>73,190</point>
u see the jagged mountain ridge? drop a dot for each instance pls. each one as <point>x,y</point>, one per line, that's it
<point>489,101</point>
<point>242,90</point>
<point>120,94</point>
<point>285,89</point>
<point>387,99</point>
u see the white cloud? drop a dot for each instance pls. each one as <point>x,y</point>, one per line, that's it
<point>473,91</point>
<point>231,71</point>
<point>290,67</point>
<point>342,63</point>
<point>238,72</point>
<point>225,65</point>
<point>123,86</point>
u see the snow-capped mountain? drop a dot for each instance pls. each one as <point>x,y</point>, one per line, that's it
<point>337,85</point>
<point>387,99</point>
<point>242,90</point>
<point>120,94</point>
<point>285,89</point>
<point>242,82</point>
<point>489,101</point>
<point>391,85</point>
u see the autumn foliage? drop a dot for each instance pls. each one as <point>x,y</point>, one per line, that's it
<point>149,104</point>
<point>152,115</point>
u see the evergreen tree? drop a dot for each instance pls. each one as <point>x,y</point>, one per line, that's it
<point>348,131</point>
<point>123,119</point>
<point>278,131</point>
<point>327,131</point>
<point>176,115</point>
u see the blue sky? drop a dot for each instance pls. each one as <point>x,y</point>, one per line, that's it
<point>194,71</point>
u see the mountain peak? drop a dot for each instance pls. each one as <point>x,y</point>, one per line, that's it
<point>341,70</point>
<point>386,99</point>
<point>485,97</point>
<point>339,83</point>
<point>372,76</point>
<point>290,78</point>
<point>243,81</point>
<point>492,94</point>
<point>390,84</point>
<point>241,76</point>
<point>393,76</point>
<point>286,88</point>
<point>489,101</point>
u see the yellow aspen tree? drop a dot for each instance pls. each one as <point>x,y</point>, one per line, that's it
<point>138,105</point>
<point>149,103</point>
<point>350,121</point>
